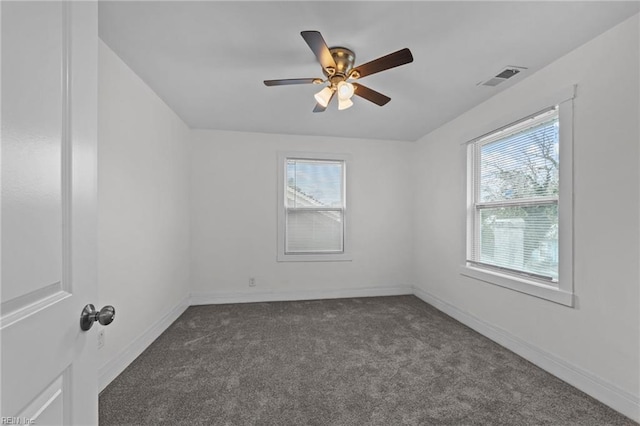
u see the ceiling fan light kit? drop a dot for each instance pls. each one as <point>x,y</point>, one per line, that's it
<point>345,90</point>
<point>324,96</point>
<point>344,104</point>
<point>337,66</point>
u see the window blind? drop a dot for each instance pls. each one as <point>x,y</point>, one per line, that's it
<point>314,206</point>
<point>515,174</point>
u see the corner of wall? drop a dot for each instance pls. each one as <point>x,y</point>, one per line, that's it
<point>143,229</point>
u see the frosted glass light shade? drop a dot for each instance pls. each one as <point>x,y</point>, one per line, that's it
<point>324,96</point>
<point>345,90</point>
<point>344,103</point>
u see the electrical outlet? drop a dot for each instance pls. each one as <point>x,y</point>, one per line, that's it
<point>252,282</point>
<point>100,339</point>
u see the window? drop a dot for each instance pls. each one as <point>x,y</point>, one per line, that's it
<point>312,211</point>
<point>515,175</point>
<point>516,197</point>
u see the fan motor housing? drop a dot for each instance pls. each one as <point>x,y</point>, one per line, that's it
<point>344,59</point>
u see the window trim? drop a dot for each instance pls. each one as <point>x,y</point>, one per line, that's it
<point>282,255</point>
<point>562,291</point>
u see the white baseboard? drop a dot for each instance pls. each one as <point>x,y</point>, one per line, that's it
<point>115,366</point>
<point>605,392</point>
<point>215,298</point>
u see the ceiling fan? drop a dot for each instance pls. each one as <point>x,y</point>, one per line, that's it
<point>337,66</point>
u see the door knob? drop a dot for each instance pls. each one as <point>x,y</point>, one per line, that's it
<point>89,315</point>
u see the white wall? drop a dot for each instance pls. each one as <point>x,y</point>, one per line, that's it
<point>599,338</point>
<point>234,219</point>
<point>144,221</point>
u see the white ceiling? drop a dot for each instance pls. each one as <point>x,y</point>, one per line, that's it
<point>207,60</point>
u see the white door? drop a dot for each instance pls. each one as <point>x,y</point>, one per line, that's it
<point>49,209</point>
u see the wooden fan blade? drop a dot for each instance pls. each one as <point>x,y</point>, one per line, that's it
<point>391,60</point>
<point>320,108</point>
<point>319,47</point>
<point>290,81</point>
<point>370,94</point>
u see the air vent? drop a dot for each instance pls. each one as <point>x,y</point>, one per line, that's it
<point>503,75</point>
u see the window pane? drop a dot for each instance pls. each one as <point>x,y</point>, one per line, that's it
<point>314,183</point>
<point>520,238</point>
<point>521,165</point>
<point>314,231</point>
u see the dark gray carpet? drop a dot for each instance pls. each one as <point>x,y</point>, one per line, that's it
<point>369,361</point>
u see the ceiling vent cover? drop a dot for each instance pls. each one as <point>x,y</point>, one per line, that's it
<point>503,75</point>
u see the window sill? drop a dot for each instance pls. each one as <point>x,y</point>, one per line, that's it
<point>522,285</point>
<point>343,257</point>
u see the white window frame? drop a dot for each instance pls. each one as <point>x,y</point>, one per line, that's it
<point>561,291</point>
<point>283,256</point>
